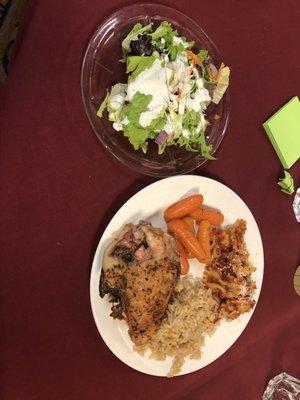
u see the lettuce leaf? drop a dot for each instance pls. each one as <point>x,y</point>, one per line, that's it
<point>196,143</point>
<point>115,102</point>
<point>137,64</point>
<point>205,148</point>
<point>222,84</point>
<point>156,126</point>
<point>138,104</point>
<point>138,29</point>
<point>203,54</point>
<point>103,105</point>
<point>191,120</point>
<point>175,50</point>
<point>165,31</point>
<point>286,183</point>
<point>176,122</point>
<point>136,134</point>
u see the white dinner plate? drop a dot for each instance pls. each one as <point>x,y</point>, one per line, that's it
<point>149,204</point>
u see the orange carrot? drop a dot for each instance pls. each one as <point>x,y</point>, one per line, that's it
<point>182,233</point>
<point>183,207</point>
<point>190,223</point>
<point>203,235</point>
<point>192,56</point>
<point>184,264</point>
<point>214,217</point>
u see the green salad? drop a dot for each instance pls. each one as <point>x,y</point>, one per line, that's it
<point>168,89</point>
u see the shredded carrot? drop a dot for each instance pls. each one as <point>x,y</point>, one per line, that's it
<point>195,59</point>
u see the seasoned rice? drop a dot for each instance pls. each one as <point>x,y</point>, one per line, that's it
<point>190,316</point>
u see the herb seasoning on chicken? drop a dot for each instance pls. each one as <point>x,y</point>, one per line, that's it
<point>140,269</point>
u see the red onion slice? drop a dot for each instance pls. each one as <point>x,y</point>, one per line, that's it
<point>161,138</point>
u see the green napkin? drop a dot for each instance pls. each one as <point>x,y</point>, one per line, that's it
<point>283,129</point>
<point>286,183</point>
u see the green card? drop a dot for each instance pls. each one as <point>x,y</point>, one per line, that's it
<point>283,129</point>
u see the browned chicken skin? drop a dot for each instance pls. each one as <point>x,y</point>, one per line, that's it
<point>140,269</point>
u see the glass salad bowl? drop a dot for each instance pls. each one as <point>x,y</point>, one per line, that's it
<point>101,69</point>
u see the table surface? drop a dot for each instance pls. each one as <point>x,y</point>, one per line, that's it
<point>59,189</point>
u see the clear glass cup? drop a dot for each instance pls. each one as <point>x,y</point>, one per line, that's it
<point>296,205</point>
<point>282,387</point>
<point>101,69</point>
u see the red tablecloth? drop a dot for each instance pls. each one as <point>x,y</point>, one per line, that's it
<point>59,188</point>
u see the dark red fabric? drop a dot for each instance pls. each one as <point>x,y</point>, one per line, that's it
<point>59,188</point>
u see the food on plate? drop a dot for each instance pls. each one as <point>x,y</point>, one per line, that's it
<point>184,263</point>
<point>214,217</point>
<point>140,270</point>
<point>170,84</point>
<point>181,217</point>
<point>182,233</point>
<point>168,315</point>
<point>190,223</point>
<point>183,207</point>
<point>203,235</point>
<point>191,315</point>
<point>229,273</point>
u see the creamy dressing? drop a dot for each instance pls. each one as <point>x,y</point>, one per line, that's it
<point>178,40</point>
<point>117,102</point>
<point>169,74</point>
<point>181,105</point>
<point>199,100</point>
<point>152,81</point>
<point>118,126</point>
<point>117,96</point>
<point>170,88</point>
<point>168,128</point>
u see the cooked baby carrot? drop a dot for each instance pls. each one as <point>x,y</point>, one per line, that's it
<point>184,264</point>
<point>203,235</point>
<point>189,241</point>
<point>214,217</point>
<point>190,223</point>
<point>183,207</point>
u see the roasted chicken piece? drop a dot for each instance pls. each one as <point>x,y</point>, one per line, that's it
<point>140,270</point>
